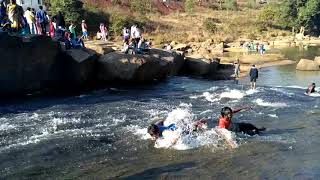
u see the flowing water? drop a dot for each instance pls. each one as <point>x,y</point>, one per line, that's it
<point>102,135</point>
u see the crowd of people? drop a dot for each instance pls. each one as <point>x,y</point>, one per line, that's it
<point>254,47</point>
<point>134,42</point>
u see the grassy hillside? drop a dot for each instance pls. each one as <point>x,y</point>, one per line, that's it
<point>169,23</point>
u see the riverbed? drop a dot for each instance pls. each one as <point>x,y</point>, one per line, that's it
<point>102,134</point>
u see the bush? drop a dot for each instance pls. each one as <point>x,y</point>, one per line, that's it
<point>94,17</point>
<point>251,4</point>
<point>189,5</point>
<point>72,9</point>
<point>231,5</point>
<point>119,21</point>
<point>210,25</point>
<point>141,6</point>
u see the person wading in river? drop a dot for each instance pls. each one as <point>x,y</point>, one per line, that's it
<point>253,76</point>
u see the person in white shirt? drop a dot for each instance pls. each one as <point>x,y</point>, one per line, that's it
<point>31,20</point>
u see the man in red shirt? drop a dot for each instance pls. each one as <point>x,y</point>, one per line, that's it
<point>225,122</point>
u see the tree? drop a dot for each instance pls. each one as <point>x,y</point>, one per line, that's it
<point>309,15</point>
<point>72,9</point>
<point>294,13</point>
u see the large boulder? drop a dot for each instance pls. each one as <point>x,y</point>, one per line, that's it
<point>317,60</point>
<point>156,65</point>
<point>307,65</point>
<point>207,68</point>
<point>100,48</point>
<point>26,66</point>
<point>78,68</point>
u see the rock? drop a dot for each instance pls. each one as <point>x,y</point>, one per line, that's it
<point>181,47</point>
<point>27,66</point>
<point>197,66</point>
<point>219,49</point>
<point>79,67</point>
<point>100,48</point>
<point>156,65</point>
<point>173,43</point>
<point>317,60</point>
<point>307,65</point>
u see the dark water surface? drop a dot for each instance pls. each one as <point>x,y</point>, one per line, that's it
<point>100,135</point>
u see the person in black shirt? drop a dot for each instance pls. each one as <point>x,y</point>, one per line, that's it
<point>253,76</point>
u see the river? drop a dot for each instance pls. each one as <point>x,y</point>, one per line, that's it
<point>101,135</point>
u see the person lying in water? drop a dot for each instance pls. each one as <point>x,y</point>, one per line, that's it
<point>159,130</point>
<point>225,122</point>
<point>311,88</point>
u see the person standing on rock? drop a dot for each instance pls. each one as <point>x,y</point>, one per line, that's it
<point>15,13</point>
<point>42,20</point>
<point>253,76</point>
<point>237,68</point>
<point>104,32</point>
<point>31,20</point>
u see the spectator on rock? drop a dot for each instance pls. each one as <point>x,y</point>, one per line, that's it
<point>15,14</point>
<point>72,29</point>
<point>42,19</point>
<point>60,22</point>
<point>31,20</point>
<point>84,28</point>
<point>52,30</point>
<point>104,32</point>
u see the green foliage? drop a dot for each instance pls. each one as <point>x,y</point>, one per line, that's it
<point>210,25</point>
<point>252,4</point>
<point>309,15</point>
<point>293,13</point>
<point>189,6</point>
<point>119,21</point>
<point>141,6</point>
<point>94,17</point>
<point>269,14</point>
<point>72,9</point>
<point>231,5</point>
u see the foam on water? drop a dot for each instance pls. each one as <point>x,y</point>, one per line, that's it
<point>207,96</point>
<point>6,127</point>
<point>273,115</point>
<point>314,95</point>
<point>233,94</point>
<point>261,102</point>
<point>251,91</point>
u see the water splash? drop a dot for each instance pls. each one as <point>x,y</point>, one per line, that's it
<point>261,102</point>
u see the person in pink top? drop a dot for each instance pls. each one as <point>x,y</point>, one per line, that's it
<point>52,30</point>
<point>104,32</point>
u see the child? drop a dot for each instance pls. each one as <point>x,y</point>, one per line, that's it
<point>158,130</point>
<point>311,89</point>
<point>226,122</point>
<point>52,29</point>
<point>84,28</point>
<point>104,32</point>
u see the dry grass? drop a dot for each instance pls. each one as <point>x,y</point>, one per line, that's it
<point>231,26</point>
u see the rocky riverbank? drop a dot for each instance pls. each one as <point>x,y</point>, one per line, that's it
<point>37,63</point>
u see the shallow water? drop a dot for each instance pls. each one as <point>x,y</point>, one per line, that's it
<point>101,135</point>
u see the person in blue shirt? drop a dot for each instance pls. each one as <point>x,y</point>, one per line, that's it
<point>42,19</point>
<point>159,130</point>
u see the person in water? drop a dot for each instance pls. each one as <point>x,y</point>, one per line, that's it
<point>225,122</point>
<point>311,88</point>
<point>159,130</point>
<point>253,76</point>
